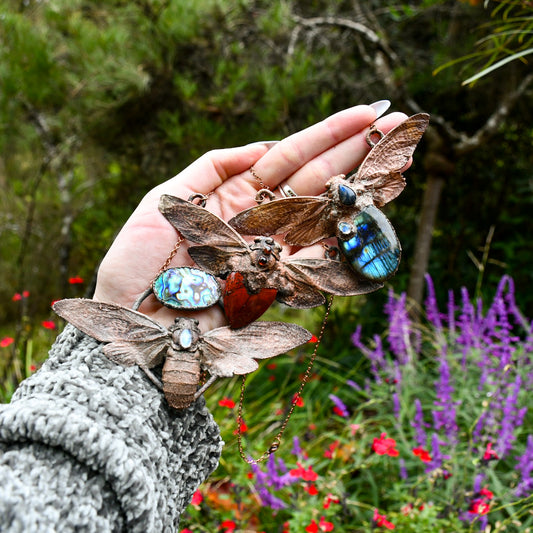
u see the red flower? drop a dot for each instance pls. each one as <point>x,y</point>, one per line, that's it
<point>242,426</point>
<point>48,324</point>
<point>187,530</point>
<point>17,296</point>
<point>197,498</point>
<point>311,489</point>
<point>325,526</point>
<point>230,525</point>
<point>312,527</point>
<point>298,400</point>
<point>6,341</point>
<point>33,368</point>
<point>490,454</point>
<point>479,506</point>
<point>385,446</point>
<point>330,498</point>
<point>331,449</point>
<point>75,280</point>
<point>226,402</point>
<point>286,526</point>
<point>306,475</point>
<point>271,366</point>
<point>250,475</point>
<point>380,520</point>
<point>486,493</point>
<point>338,411</point>
<point>313,338</point>
<point>423,454</point>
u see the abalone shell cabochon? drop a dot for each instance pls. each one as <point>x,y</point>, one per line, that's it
<point>186,288</point>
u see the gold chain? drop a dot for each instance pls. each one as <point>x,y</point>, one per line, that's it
<point>277,439</point>
<point>259,180</point>
<point>171,255</point>
<point>202,201</point>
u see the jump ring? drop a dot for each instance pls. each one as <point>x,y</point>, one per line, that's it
<point>263,194</point>
<point>202,199</point>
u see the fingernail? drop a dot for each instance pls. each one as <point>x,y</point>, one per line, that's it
<point>380,107</point>
<point>268,144</point>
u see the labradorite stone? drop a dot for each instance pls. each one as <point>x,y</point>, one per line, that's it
<point>374,251</point>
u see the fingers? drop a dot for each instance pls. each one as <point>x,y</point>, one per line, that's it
<point>291,154</point>
<point>339,159</point>
<point>212,169</point>
<point>306,160</point>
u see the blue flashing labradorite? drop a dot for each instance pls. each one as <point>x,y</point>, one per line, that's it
<point>374,251</point>
<point>347,195</point>
<point>186,288</point>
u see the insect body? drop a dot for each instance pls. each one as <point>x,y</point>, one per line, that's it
<point>348,208</point>
<point>223,252</point>
<point>135,339</point>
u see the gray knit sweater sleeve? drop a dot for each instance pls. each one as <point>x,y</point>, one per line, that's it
<point>89,445</point>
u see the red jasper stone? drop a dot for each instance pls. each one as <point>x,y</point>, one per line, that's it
<point>240,306</point>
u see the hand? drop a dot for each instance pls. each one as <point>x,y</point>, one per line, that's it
<point>305,161</point>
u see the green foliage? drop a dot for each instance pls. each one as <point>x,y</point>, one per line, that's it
<point>508,37</point>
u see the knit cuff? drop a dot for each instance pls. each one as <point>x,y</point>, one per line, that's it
<point>113,420</point>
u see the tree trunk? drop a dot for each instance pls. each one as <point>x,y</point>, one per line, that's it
<point>438,163</point>
<point>428,216</point>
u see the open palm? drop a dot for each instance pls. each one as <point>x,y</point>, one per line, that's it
<point>305,161</point>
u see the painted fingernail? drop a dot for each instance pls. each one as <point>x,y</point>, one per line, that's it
<point>380,107</point>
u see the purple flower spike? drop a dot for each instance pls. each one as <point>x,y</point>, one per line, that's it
<point>444,415</point>
<point>432,309</point>
<point>341,410</point>
<point>276,477</point>
<point>525,467</point>
<point>296,448</point>
<point>419,425</point>
<point>353,384</point>
<point>437,457</point>
<point>399,327</point>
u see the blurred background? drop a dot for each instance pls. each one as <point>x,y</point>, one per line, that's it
<point>102,100</point>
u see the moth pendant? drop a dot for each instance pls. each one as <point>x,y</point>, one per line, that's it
<point>135,339</point>
<point>348,209</point>
<point>223,252</point>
